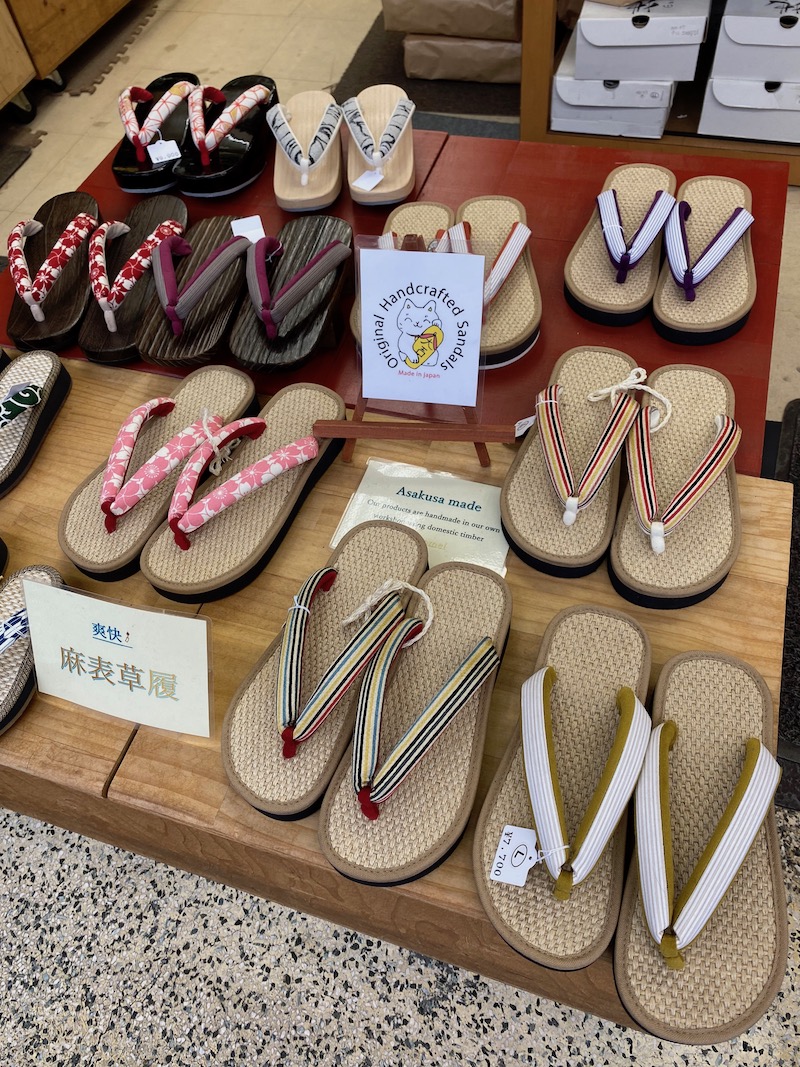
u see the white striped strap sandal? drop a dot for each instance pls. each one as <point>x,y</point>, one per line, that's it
<point>624,252</point>
<point>687,274</point>
<point>458,239</point>
<point>674,923</point>
<point>571,862</point>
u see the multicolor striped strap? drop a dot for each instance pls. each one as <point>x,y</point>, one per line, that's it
<point>626,254</point>
<point>373,786</point>
<point>324,136</point>
<point>157,468</point>
<point>337,679</point>
<point>506,261</point>
<point>674,924</point>
<point>363,137</point>
<point>554,448</point>
<point>273,310</point>
<point>111,295</point>
<point>457,239</point>
<point>33,291</point>
<point>569,864</point>
<point>388,240</point>
<point>655,523</point>
<point>179,302</point>
<point>140,136</point>
<point>209,140</point>
<point>688,277</point>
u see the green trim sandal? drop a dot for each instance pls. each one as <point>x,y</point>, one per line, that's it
<point>568,774</point>
<point>705,964</point>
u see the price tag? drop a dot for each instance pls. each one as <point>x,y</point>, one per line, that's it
<point>516,854</point>
<point>163,151</point>
<point>524,425</point>
<point>368,180</point>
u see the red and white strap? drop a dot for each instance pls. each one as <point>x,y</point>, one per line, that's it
<point>208,140</point>
<point>186,517</point>
<point>653,521</point>
<point>141,136</point>
<point>111,295</point>
<point>33,291</point>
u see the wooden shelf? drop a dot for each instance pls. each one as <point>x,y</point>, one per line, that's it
<point>538,45</point>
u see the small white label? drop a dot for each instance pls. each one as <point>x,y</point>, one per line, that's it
<point>250,227</point>
<point>524,425</point>
<point>368,180</point>
<point>516,854</point>
<point>163,151</point>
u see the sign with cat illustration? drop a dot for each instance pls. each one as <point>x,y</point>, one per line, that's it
<point>421,326</point>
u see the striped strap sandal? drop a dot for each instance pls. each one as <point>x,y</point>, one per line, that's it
<point>308,165</point>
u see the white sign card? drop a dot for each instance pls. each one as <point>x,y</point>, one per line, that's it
<point>149,667</point>
<point>458,519</point>
<point>421,326</point>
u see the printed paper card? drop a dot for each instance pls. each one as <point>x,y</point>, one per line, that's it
<point>421,326</point>
<point>150,667</point>
<point>458,519</point>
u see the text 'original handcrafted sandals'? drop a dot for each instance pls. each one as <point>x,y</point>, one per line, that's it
<point>568,774</point>
<point>292,718</point>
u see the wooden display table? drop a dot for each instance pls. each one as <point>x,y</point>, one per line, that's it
<point>167,795</point>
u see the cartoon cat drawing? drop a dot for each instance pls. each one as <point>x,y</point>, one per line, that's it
<point>413,321</point>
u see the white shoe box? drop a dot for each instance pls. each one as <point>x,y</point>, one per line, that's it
<point>759,40</point>
<point>655,40</point>
<point>733,108</point>
<point>613,108</point>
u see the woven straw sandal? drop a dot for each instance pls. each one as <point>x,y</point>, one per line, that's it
<point>290,313</point>
<point>185,323</point>
<point>511,300</point>
<point>381,142</point>
<point>32,389</point>
<point>679,526</point>
<point>120,258</point>
<point>48,257</point>
<point>578,710</point>
<point>17,676</point>
<point>287,783</point>
<point>423,220</point>
<point>192,558</point>
<point>541,493</point>
<point>308,163</point>
<point>705,966</point>
<point>390,815</point>
<point>611,272</point>
<point>708,284</point>
<point>203,401</point>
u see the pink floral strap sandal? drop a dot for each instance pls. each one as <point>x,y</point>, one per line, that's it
<point>191,559</point>
<point>48,249</point>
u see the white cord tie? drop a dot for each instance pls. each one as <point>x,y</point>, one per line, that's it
<point>297,606</point>
<point>635,380</point>
<point>305,163</point>
<point>570,510</point>
<point>392,585</point>
<point>657,537</point>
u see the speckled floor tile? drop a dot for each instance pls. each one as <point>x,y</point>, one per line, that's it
<point>110,960</point>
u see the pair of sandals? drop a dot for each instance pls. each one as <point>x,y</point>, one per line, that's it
<point>92,279</point>
<point>674,537</point>
<point>494,227</point>
<point>145,506</point>
<point>700,919</point>
<point>308,163</point>
<point>378,657</point>
<point>209,142</point>
<point>707,286</point>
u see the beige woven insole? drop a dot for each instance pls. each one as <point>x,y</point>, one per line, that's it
<point>589,272</point>
<point>716,704</point>
<point>82,533</point>
<point>251,742</point>
<point>701,545</point>
<point>16,662</point>
<point>594,654</point>
<point>38,368</point>
<point>532,512</point>
<point>729,291</point>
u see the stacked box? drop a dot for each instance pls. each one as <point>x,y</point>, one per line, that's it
<point>754,88</point>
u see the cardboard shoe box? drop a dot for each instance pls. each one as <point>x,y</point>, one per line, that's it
<point>613,108</point>
<point>752,109</point>
<point>489,20</point>
<point>462,59</point>
<point>655,40</point>
<point>759,40</point>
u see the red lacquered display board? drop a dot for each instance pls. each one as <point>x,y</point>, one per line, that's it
<point>557,184</point>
